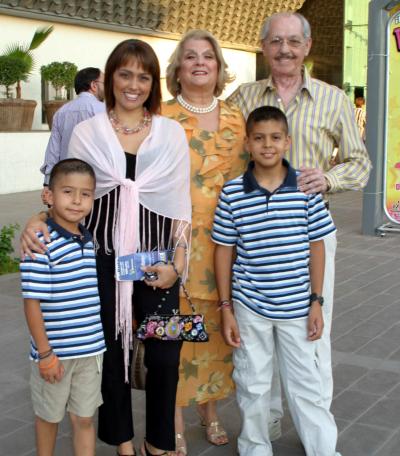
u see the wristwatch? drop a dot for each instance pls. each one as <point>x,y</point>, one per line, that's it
<point>315,297</point>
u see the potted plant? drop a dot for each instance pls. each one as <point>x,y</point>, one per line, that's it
<point>61,76</point>
<point>11,114</point>
<point>16,114</point>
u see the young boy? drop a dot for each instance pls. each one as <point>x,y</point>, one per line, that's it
<point>273,302</point>
<point>62,310</point>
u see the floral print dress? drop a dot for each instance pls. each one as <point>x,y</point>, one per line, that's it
<point>216,156</point>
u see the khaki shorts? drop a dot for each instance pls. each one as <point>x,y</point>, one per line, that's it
<point>78,392</point>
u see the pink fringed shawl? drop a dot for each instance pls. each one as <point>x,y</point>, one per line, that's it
<point>162,185</point>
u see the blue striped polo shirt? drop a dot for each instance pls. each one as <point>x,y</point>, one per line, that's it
<point>64,280</point>
<point>272,234</point>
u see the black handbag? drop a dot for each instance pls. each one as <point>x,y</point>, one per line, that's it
<point>188,328</point>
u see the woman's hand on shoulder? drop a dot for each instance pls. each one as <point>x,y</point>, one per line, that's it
<point>29,241</point>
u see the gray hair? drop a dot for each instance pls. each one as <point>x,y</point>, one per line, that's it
<point>267,24</point>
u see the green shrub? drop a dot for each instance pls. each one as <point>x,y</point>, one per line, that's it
<point>12,70</point>
<point>7,262</point>
<point>59,74</point>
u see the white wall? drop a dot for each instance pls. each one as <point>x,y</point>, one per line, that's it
<point>84,47</point>
<point>21,155</point>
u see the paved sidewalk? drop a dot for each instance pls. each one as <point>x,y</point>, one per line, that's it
<point>366,343</point>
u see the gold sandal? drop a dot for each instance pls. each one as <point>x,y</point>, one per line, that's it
<point>180,445</point>
<point>216,434</point>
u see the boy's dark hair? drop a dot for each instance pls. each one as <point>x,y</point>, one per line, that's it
<point>263,114</point>
<point>84,78</point>
<point>69,166</point>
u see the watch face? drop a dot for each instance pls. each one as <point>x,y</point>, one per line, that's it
<point>315,297</point>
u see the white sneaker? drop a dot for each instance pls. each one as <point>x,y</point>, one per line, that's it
<point>274,429</point>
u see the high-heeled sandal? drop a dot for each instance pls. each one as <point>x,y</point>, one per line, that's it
<point>121,454</point>
<point>216,434</point>
<point>214,431</point>
<point>180,445</point>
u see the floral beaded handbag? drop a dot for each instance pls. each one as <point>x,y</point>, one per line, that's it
<point>189,328</point>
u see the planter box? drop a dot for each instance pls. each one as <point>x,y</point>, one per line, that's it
<point>16,114</point>
<point>51,108</point>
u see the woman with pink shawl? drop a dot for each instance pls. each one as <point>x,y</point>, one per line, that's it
<point>141,162</point>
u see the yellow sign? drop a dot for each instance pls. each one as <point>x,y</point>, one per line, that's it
<point>392,176</point>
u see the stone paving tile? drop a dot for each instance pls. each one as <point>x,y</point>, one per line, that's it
<point>391,448</point>
<point>350,342</point>
<point>350,405</point>
<point>345,375</point>
<point>384,413</point>
<point>377,382</point>
<point>362,440</point>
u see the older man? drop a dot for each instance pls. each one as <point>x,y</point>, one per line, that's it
<point>321,118</point>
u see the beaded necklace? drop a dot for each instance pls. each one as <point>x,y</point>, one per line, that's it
<point>196,109</point>
<point>116,123</point>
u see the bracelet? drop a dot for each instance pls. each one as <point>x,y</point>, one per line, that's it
<point>225,303</point>
<point>50,365</point>
<point>45,354</point>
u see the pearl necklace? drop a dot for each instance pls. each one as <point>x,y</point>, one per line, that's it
<point>116,123</point>
<point>196,109</point>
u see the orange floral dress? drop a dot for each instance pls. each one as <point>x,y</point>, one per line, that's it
<point>216,156</point>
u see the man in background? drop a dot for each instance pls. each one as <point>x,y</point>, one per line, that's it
<point>89,86</point>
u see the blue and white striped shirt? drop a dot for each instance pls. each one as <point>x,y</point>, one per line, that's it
<point>64,280</point>
<point>272,234</point>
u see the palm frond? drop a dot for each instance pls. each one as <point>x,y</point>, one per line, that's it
<point>22,53</point>
<point>40,35</point>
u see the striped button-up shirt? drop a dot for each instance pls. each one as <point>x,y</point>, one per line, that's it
<point>320,117</point>
<point>83,107</point>
<point>272,234</point>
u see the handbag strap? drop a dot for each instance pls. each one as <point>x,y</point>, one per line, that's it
<point>186,293</point>
<point>181,284</point>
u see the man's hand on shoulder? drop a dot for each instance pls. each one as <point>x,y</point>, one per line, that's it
<point>312,180</point>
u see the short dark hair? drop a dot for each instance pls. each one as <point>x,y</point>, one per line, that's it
<point>84,78</point>
<point>69,166</point>
<point>265,113</point>
<point>145,56</point>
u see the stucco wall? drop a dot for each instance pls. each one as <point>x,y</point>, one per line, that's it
<point>21,155</point>
<point>84,47</point>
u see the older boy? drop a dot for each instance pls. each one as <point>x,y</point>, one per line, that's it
<point>62,310</point>
<point>277,282</point>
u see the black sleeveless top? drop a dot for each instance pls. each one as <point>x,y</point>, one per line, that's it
<point>154,228</point>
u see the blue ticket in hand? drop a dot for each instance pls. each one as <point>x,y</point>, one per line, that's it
<point>130,267</point>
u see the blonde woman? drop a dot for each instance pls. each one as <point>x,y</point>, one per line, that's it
<point>196,75</point>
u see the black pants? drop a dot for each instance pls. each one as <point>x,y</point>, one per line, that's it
<point>161,359</point>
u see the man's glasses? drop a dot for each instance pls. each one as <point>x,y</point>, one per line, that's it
<point>292,42</point>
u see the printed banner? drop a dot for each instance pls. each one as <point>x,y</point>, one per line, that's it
<point>392,156</point>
